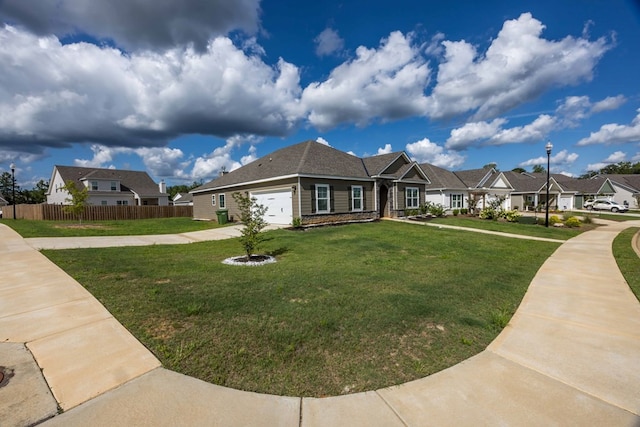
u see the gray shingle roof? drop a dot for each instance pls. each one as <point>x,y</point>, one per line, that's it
<point>138,181</point>
<point>632,181</point>
<point>441,178</point>
<point>306,158</point>
<point>473,178</point>
<point>376,165</point>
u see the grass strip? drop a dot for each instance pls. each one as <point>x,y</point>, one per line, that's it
<point>36,228</point>
<point>627,259</point>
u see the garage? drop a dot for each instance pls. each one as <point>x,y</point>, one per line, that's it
<point>278,203</point>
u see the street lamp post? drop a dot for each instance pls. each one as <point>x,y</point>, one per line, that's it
<point>548,147</point>
<point>13,184</point>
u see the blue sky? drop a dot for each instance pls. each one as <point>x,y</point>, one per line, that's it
<point>183,89</point>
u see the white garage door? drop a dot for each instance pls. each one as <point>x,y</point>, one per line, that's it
<point>279,205</point>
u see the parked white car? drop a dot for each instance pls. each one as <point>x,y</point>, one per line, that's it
<point>605,205</point>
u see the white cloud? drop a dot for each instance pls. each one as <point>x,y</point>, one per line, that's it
<point>577,108</point>
<point>492,133</point>
<point>559,160</point>
<point>425,151</point>
<point>533,132</point>
<point>385,150</point>
<point>609,103</point>
<point>386,83</point>
<point>466,135</point>
<point>54,95</point>
<point>517,67</point>
<point>613,133</point>
<point>614,158</point>
<point>136,24</point>
<point>328,42</point>
<point>321,140</point>
<point>209,166</point>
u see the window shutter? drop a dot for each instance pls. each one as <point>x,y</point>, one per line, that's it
<point>364,198</point>
<point>332,207</point>
<point>313,199</point>
<point>350,190</point>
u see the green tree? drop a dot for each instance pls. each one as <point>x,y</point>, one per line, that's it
<point>252,217</point>
<point>518,170</point>
<point>539,169</point>
<point>77,199</point>
<point>6,187</point>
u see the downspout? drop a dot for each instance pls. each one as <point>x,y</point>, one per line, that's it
<point>299,194</point>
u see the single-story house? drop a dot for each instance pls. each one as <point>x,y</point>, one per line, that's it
<point>627,188</point>
<point>318,184</point>
<point>107,186</point>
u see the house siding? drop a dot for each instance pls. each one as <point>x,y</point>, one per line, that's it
<point>340,197</point>
<point>402,196</point>
<point>202,208</point>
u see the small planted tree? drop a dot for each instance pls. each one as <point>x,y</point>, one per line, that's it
<point>252,216</point>
<point>77,199</point>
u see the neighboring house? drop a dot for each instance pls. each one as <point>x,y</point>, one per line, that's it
<point>3,202</point>
<point>584,189</point>
<point>107,186</point>
<point>627,188</point>
<point>183,199</point>
<point>319,185</point>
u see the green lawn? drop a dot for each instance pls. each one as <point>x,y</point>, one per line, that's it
<point>627,259</point>
<point>345,309</point>
<point>561,233</point>
<point>34,228</point>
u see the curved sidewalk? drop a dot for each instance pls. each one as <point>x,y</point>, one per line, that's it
<point>569,356</point>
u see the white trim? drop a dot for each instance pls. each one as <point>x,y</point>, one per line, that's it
<point>328,210</point>
<point>406,197</point>
<point>361,198</point>
<point>222,201</point>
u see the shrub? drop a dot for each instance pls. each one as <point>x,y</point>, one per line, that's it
<point>411,212</point>
<point>464,211</point>
<point>511,216</point>
<point>587,219</point>
<point>456,212</point>
<point>488,213</point>
<point>554,219</point>
<point>297,222</point>
<point>424,208</point>
<point>252,216</point>
<point>436,209</point>
<point>572,222</point>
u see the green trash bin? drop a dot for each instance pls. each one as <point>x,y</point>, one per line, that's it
<point>223,216</point>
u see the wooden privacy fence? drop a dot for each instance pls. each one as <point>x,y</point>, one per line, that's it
<point>97,213</point>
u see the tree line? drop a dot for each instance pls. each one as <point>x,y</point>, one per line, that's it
<point>37,194</point>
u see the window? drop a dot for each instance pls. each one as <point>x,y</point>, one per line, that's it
<point>103,202</point>
<point>413,198</point>
<point>94,185</point>
<point>456,201</point>
<point>356,198</point>
<point>113,186</point>
<point>213,200</point>
<point>221,201</point>
<point>122,202</point>
<point>322,198</point>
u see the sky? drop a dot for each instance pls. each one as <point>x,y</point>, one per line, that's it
<point>185,89</point>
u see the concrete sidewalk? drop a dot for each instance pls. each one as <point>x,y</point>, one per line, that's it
<point>142,240</point>
<point>569,356</point>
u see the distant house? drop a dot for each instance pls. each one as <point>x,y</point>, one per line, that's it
<point>318,184</point>
<point>627,188</point>
<point>3,202</point>
<point>183,199</point>
<point>107,187</point>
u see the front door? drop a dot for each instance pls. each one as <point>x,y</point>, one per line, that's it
<point>383,207</point>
